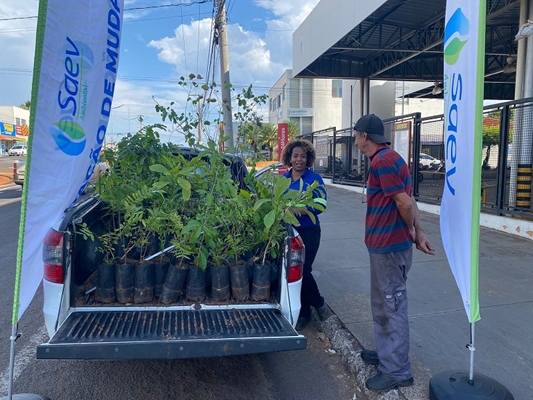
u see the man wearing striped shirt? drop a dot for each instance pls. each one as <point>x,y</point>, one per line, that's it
<point>392,225</point>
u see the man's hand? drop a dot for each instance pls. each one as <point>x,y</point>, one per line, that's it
<point>423,244</point>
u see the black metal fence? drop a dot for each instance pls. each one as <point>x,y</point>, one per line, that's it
<point>507,160</point>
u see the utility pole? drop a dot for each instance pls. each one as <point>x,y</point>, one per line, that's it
<point>200,125</point>
<point>220,29</point>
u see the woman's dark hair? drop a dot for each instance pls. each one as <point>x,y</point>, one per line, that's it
<point>306,146</point>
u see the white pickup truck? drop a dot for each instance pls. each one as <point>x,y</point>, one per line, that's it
<point>80,327</point>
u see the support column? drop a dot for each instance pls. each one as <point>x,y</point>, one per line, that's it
<point>525,167</point>
<point>519,113</point>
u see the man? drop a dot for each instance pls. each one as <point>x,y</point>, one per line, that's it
<point>392,225</point>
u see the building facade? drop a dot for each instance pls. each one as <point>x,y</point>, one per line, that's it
<point>312,104</point>
<point>14,127</point>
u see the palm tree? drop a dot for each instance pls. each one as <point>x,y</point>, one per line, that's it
<point>26,105</point>
<point>269,136</point>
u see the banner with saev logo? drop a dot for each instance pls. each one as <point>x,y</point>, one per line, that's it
<point>464,55</point>
<point>75,71</point>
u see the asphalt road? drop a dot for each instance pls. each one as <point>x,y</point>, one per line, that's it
<point>314,373</point>
<point>6,163</point>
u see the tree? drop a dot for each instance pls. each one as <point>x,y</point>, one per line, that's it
<point>491,133</point>
<point>250,132</point>
<point>491,137</point>
<point>294,130</point>
<point>26,105</point>
<point>269,138</point>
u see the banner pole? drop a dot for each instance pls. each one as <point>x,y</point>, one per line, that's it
<point>13,338</point>
<point>472,349</point>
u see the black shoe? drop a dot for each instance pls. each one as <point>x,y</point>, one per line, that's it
<point>370,357</point>
<point>302,323</point>
<point>382,383</point>
<point>323,312</point>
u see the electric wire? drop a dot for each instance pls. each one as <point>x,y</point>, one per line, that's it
<point>125,9</point>
<point>183,39</point>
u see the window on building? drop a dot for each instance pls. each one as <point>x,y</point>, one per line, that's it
<point>307,93</point>
<point>295,120</point>
<point>17,121</point>
<point>336,88</point>
<point>283,91</point>
<point>307,125</point>
<point>294,93</point>
<point>23,122</point>
<point>280,101</point>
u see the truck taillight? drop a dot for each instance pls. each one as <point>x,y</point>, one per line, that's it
<point>53,256</point>
<point>14,169</point>
<point>296,266</point>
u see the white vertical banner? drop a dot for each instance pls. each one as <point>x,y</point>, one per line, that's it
<point>75,70</point>
<point>464,54</point>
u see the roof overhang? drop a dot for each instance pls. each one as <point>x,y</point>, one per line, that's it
<point>398,40</point>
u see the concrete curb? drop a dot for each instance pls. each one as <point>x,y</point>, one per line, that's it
<point>347,345</point>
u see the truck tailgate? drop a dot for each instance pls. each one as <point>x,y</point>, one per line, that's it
<point>170,334</point>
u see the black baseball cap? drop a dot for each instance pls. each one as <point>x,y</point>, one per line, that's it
<point>372,125</point>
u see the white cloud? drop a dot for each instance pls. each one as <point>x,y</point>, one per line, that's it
<point>257,58</point>
<point>253,59</point>
<point>17,41</point>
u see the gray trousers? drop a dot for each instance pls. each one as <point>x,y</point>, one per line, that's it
<point>388,297</point>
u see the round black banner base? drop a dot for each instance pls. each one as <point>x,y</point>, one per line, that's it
<point>455,385</point>
<point>26,396</point>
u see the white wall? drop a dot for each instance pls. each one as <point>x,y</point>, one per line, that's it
<point>329,21</point>
<point>9,114</point>
<point>327,109</point>
<point>427,107</point>
<point>355,87</point>
<point>382,98</point>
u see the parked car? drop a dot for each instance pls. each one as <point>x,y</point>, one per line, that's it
<point>429,162</point>
<point>19,169</point>
<point>18,150</point>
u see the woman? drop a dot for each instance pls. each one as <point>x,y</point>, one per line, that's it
<point>299,156</point>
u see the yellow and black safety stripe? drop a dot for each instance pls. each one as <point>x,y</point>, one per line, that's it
<point>523,185</point>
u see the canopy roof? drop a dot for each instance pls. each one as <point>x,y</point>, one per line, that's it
<point>403,40</point>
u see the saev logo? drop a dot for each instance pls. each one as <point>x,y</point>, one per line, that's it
<point>457,27</point>
<point>69,135</point>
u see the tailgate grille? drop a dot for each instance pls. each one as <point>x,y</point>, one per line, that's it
<point>117,326</point>
<point>170,334</point>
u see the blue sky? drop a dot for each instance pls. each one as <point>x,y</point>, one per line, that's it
<point>161,44</point>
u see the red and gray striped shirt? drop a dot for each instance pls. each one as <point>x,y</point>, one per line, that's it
<point>385,229</point>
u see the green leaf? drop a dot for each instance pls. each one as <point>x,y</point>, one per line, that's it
<point>280,186</point>
<point>311,215</point>
<point>289,218</point>
<point>269,219</point>
<point>246,194</point>
<point>158,168</point>
<point>185,184</point>
<point>159,185</point>
<point>202,259</point>
<point>259,203</point>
